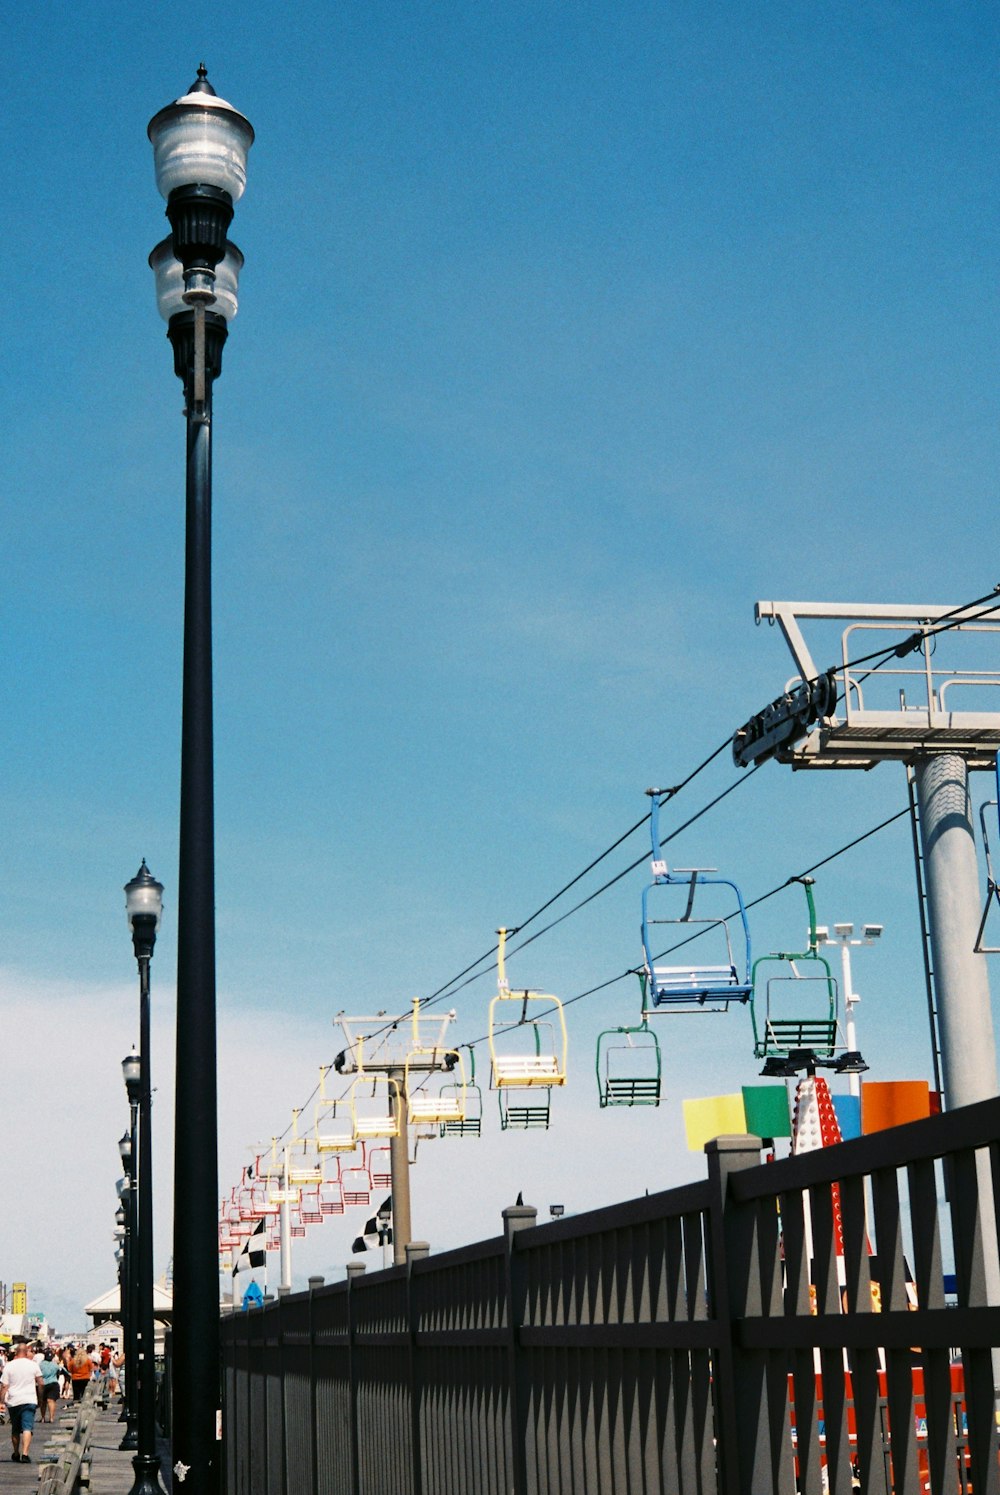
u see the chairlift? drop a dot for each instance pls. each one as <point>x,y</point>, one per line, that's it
<point>471,1123</point>
<point>310,1212</point>
<point>692,987</point>
<point>430,1099</point>
<point>375,1108</point>
<point>628,1066</point>
<point>794,1001</point>
<point>992,889</point>
<point>357,1185</point>
<point>257,1206</point>
<point>379,1162</point>
<point>523,1110</point>
<point>331,1195</point>
<point>333,1125</point>
<point>273,1166</point>
<point>525,1052</point>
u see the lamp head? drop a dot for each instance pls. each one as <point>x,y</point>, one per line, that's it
<point>200,146</point>
<point>822,934</point>
<point>872,931</point>
<point>843,931</point>
<point>125,1148</point>
<point>144,909</point>
<point>132,1072</point>
<point>120,1216</point>
<point>850,1063</point>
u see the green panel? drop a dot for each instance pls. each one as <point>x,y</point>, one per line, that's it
<point>767,1110</point>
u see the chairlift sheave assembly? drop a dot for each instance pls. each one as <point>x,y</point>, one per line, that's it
<point>692,987</point>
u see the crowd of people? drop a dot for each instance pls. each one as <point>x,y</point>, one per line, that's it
<point>35,1377</point>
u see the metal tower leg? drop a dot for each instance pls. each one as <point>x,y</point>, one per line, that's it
<point>965,1019</point>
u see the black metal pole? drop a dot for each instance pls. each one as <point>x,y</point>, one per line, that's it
<point>130,1441</point>
<point>146,1462</point>
<point>123,1320</point>
<point>196,1345</point>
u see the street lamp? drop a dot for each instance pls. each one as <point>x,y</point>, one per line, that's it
<point>843,935</point>
<point>200,146</point>
<point>128,1297</point>
<point>144,909</point>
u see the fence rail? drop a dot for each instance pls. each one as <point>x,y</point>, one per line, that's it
<point>773,1328</point>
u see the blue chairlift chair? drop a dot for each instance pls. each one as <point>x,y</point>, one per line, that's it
<point>692,986</point>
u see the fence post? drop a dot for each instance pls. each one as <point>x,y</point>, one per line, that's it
<point>314,1283</point>
<point>283,1293</point>
<point>515,1218</point>
<point>415,1251</point>
<point>739,1380</point>
<point>354,1271</point>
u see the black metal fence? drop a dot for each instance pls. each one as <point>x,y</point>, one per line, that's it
<point>776,1327</point>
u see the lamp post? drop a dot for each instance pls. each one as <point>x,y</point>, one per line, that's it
<point>131,1072</point>
<point>843,935</point>
<point>124,1286</point>
<point>200,145</point>
<point>120,1246</point>
<point>144,908</point>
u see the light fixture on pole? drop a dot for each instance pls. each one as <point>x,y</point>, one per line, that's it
<point>144,909</point>
<point>200,145</point>
<point>129,1300</point>
<point>843,935</point>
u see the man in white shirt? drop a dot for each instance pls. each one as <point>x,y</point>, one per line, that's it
<point>19,1391</point>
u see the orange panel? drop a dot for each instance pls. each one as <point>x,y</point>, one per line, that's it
<point>887,1103</point>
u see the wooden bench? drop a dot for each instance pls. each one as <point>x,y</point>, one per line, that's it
<point>66,1463</point>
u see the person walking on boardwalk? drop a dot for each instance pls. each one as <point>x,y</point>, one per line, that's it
<point>49,1367</point>
<point>81,1368</point>
<point>19,1387</point>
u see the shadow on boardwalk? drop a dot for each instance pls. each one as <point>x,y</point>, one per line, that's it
<point>111,1471</point>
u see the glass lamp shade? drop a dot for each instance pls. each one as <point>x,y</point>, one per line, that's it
<point>201,140</point>
<point>132,1071</point>
<point>170,281</point>
<point>144,895</point>
<point>122,1187</point>
<point>125,1146</point>
<point>120,1217</point>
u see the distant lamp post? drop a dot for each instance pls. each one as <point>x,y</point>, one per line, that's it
<point>128,1287</point>
<point>144,908</point>
<point>843,935</point>
<point>200,146</point>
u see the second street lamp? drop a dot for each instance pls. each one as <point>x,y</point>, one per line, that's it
<point>144,907</point>
<point>130,1297</point>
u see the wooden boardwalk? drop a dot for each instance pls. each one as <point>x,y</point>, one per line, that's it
<point>111,1471</point>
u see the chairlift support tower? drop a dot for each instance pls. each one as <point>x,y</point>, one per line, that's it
<point>398,1049</point>
<point>939,727</point>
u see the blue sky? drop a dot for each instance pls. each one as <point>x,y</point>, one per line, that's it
<point>565,333</point>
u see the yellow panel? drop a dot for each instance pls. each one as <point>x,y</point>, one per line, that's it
<point>713,1116</point>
